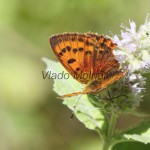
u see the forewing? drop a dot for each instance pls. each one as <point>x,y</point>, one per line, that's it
<point>75,52</point>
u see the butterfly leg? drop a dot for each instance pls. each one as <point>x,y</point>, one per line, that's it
<point>74,107</point>
<point>109,96</point>
<point>103,98</point>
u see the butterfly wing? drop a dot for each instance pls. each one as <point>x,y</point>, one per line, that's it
<point>76,53</point>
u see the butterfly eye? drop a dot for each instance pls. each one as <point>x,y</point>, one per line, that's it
<point>113,45</point>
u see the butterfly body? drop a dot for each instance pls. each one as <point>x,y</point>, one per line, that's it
<point>88,58</point>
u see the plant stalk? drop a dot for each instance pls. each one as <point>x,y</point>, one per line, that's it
<point>107,143</point>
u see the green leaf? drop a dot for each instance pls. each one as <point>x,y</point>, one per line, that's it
<point>85,111</point>
<point>140,138</point>
<point>141,133</point>
<point>131,146</point>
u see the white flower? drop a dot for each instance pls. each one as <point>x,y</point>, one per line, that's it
<point>132,77</point>
<point>134,52</point>
<point>135,46</point>
<point>136,89</point>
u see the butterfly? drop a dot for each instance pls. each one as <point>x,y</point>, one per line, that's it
<point>88,58</point>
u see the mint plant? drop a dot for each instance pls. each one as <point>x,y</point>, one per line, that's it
<point>100,111</point>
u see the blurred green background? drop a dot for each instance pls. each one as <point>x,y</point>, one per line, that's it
<point>31,118</point>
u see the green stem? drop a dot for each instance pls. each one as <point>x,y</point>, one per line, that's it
<point>106,145</point>
<point>112,124</point>
<point>108,139</point>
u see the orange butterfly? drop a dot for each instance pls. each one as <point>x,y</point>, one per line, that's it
<point>88,58</point>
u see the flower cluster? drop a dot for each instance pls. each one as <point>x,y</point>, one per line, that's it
<point>134,52</point>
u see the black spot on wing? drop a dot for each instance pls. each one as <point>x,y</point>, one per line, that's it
<point>70,61</point>
<point>88,52</point>
<point>89,43</point>
<point>97,38</point>
<point>80,49</point>
<point>60,54</point>
<point>80,39</point>
<point>73,39</point>
<point>75,50</point>
<point>63,50</point>
<point>77,69</point>
<point>68,48</point>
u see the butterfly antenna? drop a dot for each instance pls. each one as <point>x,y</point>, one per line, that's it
<point>111,34</point>
<point>75,106</point>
